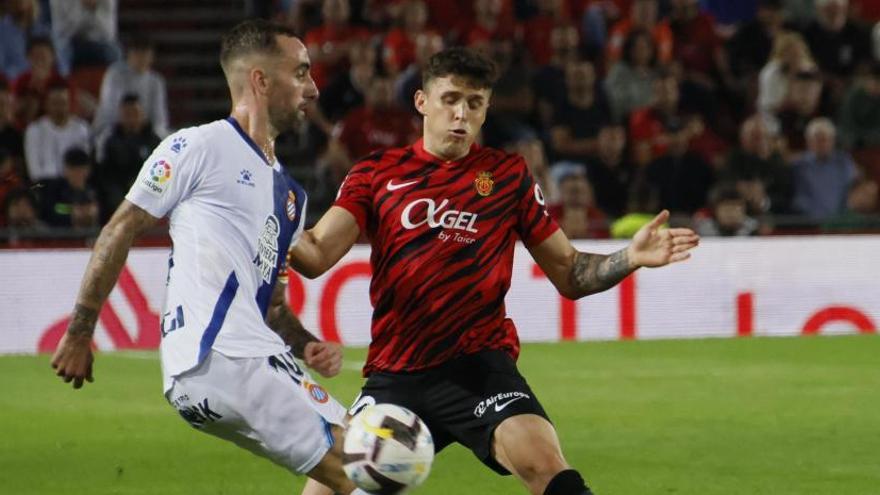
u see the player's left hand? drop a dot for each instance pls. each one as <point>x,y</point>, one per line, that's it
<point>655,246</point>
<point>323,357</point>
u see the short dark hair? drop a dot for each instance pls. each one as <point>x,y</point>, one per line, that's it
<point>76,157</point>
<point>630,43</point>
<point>140,44</point>
<point>476,68</point>
<point>252,36</point>
<point>130,98</point>
<point>39,40</point>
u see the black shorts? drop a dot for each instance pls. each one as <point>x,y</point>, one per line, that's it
<point>462,401</point>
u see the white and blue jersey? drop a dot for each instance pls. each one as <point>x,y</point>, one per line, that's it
<point>233,219</point>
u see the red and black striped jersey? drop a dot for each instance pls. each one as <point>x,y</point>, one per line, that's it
<point>443,237</point>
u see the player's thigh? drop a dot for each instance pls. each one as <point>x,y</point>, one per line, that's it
<point>402,389</point>
<point>477,395</point>
<point>269,406</point>
<point>528,446</point>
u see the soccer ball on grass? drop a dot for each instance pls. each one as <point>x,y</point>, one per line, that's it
<point>388,450</point>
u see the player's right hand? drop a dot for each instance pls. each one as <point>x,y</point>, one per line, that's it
<point>73,359</point>
<point>323,357</point>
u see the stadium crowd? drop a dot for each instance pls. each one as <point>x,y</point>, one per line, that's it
<point>743,118</point>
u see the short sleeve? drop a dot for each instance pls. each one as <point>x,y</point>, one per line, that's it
<point>356,192</point>
<point>533,222</point>
<point>169,175</point>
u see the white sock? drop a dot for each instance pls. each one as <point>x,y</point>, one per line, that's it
<point>358,491</point>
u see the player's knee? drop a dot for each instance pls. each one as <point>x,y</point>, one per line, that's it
<point>567,482</point>
<point>540,466</point>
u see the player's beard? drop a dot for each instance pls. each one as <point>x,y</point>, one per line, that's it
<point>285,119</point>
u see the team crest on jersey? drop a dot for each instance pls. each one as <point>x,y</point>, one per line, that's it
<point>484,183</point>
<point>291,206</point>
<point>317,392</point>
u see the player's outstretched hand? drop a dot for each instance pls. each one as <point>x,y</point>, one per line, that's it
<point>655,246</point>
<point>323,357</point>
<point>73,359</point>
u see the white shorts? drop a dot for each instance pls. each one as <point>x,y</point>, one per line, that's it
<point>267,405</point>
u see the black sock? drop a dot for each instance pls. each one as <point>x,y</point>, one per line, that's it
<point>568,482</point>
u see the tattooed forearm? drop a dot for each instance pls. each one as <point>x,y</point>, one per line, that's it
<point>108,258</point>
<point>289,328</point>
<point>82,321</point>
<point>592,273</point>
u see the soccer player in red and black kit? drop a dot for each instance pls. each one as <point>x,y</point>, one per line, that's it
<point>443,216</point>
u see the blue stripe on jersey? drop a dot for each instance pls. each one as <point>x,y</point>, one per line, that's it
<point>220,309</point>
<point>282,186</point>
<point>247,139</point>
<point>328,433</point>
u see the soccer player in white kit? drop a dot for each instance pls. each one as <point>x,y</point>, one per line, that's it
<point>228,337</point>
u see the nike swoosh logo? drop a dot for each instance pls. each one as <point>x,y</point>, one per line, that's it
<point>393,187</point>
<point>499,407</point>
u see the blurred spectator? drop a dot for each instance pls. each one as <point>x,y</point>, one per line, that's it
<point>629,82</point>
<point>839,44</point>
<point>862,209</point>
<point>610,170</point>
<point>643,16</point>
<point>49,137</point>
<point>329,44</point>
<point>576,212</point>
<point>789,57</point>
<point>681,178</point>
<point>489,23</point>
<point>596,19</point>
<point>758,169</point>
<point>549,79</point>
<point>10,180</point>
<point>859,117</point>
<point>697,46</point>
<point>823,175</point>
<point>399,48</point>
<point>410,80</point>
<point>20,213</point>
<point>376,125</point>
<point>532,151</point>
<point>727,215</point>
<point>805,98</point>
<point>85,32</point>
<point>32,86</point>
<point>579,118</point>
<point>69,201</point>
<point>128,146</point>
<point>330,170</point>
<point>799,13</point>
<point>510,114</point>
<point>346,91</point>
<point>750,47</point>
<point>10,137</point>
<point>538,30</point>
<point>134,75</point>
<point>728,13</point>
<point>20,24</point>
<point>649,127</point>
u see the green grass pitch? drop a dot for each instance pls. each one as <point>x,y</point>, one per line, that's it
<point>777,416</point>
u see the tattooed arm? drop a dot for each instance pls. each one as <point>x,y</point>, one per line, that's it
<point>576,274</point>
<point>323,357</point>
<point>73,359</point>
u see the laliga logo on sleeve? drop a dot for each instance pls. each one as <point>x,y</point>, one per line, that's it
<point>157,176</point>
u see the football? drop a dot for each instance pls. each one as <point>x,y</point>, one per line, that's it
<point>387,450</point>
